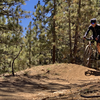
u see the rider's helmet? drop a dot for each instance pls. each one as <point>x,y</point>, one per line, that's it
<point>93,20</point>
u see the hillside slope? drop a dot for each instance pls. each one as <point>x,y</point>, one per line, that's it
<point>50,82</point>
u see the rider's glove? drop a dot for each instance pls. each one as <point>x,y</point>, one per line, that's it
<point>84,36</point>
<point>91,37</point>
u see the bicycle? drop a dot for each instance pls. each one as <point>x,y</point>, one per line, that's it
<point>90,54</point>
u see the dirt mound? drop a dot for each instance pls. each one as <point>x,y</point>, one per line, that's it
<point>51,82</point>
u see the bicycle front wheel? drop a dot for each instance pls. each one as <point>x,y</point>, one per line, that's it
<point>87,55</point>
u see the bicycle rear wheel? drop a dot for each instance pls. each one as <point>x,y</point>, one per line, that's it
<point>87,56</point>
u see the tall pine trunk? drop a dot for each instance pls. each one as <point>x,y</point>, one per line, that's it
<point>54,33</point>
<point>30,48</point>
<point>76,30</point>
<point>70,32</point>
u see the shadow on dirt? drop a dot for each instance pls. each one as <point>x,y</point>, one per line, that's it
<point>29,84</point>
<point>91,72</point>
<point>91,92</point>
<point>38,83</point>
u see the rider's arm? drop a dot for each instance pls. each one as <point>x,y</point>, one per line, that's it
<point>87,31</point>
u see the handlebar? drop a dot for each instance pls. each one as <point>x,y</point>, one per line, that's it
<point>89,39</point>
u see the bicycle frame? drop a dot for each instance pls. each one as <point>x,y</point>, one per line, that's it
<point>89,52</point>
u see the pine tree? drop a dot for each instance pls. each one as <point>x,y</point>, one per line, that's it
<point>29,43</point>
<point>45,17</point>
<point>10,33</point>
<point>11,10</point>
<point>73,19</point>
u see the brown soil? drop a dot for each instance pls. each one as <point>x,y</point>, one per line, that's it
<point>52,82</point>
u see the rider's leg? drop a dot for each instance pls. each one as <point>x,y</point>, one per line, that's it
<point>98,48</point>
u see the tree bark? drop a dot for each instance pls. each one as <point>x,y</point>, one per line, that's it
<point>14,61</point>
<point>54,33</point>
<point>70,33</point>
<point>30,33</point>
<point>76,30</point>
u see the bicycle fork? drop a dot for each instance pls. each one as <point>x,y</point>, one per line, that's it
<point>89,57</point>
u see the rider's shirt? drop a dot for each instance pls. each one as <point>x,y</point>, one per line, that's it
<point>95,30</point>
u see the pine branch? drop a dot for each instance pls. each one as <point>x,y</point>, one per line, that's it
<point>14,61</point>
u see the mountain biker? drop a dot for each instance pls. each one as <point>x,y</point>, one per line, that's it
<point>96,32</point>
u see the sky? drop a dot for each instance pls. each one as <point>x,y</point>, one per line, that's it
<point>28,7</point>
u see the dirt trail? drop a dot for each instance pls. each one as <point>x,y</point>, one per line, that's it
<point>51,82</point>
